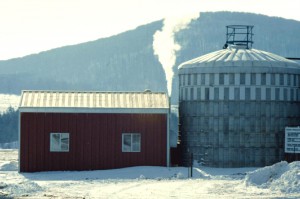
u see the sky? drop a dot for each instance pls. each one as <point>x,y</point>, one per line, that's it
<point>32,26</point>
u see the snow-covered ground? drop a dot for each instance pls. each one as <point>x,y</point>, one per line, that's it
<point>281,180</point>
<point>7,101</point>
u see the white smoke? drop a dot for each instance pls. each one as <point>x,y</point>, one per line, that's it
<point>165,46</point>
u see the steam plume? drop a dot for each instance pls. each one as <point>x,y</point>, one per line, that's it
<point>165,46</point>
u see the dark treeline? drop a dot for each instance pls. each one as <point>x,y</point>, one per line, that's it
<point>9,125</point>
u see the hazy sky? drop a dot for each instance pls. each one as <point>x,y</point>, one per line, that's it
<point>31,26</point>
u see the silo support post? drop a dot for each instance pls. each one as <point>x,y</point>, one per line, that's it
<point>191,165</point>
<point>192,162</point>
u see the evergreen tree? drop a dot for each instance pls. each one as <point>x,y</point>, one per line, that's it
<point>9,125</point>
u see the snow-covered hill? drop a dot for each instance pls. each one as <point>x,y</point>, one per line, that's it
<point>7,101</point>
<point>277,181</point>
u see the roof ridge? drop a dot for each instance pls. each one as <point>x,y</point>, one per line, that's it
<point>93,100</point>
<point>77,91</point>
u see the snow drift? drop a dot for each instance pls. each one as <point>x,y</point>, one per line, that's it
<point>281,176</point>
<point>9,166</point>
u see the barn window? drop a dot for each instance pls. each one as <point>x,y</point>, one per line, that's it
<point>131,142</point>
<point>59,142</point>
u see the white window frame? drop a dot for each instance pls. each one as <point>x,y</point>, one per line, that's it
<point>58,145</point>
<point>132,148</point>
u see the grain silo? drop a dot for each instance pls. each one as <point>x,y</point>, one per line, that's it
<point>235,103</point>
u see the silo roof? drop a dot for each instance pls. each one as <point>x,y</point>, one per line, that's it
<point>94,102</point>
<point>239,56</point>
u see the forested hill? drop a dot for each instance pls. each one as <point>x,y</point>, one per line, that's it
<point>121,62</point>
<point>126,61</point>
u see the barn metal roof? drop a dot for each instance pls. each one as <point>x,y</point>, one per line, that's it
<point>98,102</point>
<point>239,56</point>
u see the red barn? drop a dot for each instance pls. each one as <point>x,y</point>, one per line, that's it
<point>92,130</point>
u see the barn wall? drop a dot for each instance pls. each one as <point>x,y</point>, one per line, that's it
<point>95,141</point>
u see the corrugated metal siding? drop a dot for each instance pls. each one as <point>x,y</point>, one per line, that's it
<point>95,141</point>
<point>44,99</point>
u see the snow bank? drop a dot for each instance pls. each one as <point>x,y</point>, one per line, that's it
<point>23,188</point>
<point>289,181</point>
<point>266,174</point>
<point>9,166</point>
<point>281,176</point>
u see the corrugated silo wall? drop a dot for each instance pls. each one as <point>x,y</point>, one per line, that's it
<point>237,119</point>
